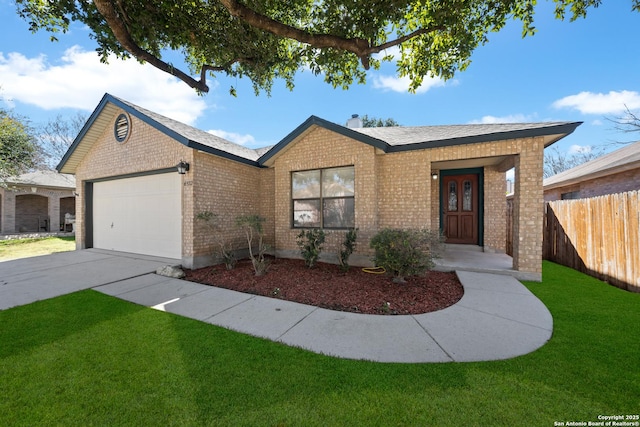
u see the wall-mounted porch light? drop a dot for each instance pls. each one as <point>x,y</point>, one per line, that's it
<point>434,175</point>
<point>183,167</point>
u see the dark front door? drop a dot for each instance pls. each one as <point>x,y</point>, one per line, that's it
<point>460,208</point>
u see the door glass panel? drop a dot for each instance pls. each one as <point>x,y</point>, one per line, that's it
<point>467,196</point>
<point>453,196</point>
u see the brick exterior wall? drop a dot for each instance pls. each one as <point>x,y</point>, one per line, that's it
<point>615,183</point>
<point>396,190</point>
<point>391,190</point>
<point>32,213</point>
<point>321,148</point>
<point>229,189</point>
<point>495,210</point>
<point>22,210</point>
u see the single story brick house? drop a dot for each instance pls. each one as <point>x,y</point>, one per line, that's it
<point>37,202</point>
<point>615,172</point>
<point>131,197</point>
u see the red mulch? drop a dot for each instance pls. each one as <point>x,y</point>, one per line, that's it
<point>326,286</point>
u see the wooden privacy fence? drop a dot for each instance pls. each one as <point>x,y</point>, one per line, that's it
<point>599,236</point>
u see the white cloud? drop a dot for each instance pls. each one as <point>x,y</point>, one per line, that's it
<point>579,149</point>
<point>401,84</point>
<point>512,118</point>
<point>600,103</point>
<point>234,137</point>
<point>78,80</point>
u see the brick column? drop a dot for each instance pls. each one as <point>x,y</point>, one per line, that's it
<point>54,213</point>
<point>8,225</point>
<point>528,212</point>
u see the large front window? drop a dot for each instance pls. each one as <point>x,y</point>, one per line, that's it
<point>323,198</point>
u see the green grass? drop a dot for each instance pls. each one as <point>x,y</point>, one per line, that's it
<point>89,359</point>
<point>24,248</point>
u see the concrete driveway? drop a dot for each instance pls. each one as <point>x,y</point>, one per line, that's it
<point>26,280</point>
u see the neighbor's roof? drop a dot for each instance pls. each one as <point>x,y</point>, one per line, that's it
<point>187,135</point>
<point>45,179</point>
<point>399,138</point>
<point>621,160</point>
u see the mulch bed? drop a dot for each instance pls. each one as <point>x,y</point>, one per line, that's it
<point>327,287</point>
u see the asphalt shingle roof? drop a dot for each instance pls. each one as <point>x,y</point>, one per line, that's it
<point>399,135</point>
<point>196,135</point>
<point>45,179</point>
<point>388,139</point>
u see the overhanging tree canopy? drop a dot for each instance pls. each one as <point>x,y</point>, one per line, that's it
<point>268,40</point>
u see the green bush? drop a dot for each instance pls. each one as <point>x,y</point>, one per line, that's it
<point>310,243</point>
<point>348,246</point>
<point>405,252</point>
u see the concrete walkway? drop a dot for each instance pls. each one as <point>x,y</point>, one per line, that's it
<point>497,318</point>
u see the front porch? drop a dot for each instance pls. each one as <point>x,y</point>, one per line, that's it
<point>473,258</point>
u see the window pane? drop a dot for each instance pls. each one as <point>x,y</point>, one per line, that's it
<point>305,185</point>
<point>453,196</point>
<point>467,196</point>
<point>339,213</point>
<point>338,182</point>
<point>306,213</point>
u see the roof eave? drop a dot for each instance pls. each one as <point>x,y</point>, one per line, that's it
<point>107,98</point>
<point>92,118</point>
<point>221,153</point>
<point>558,131</point>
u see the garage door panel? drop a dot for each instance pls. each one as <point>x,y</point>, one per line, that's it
<point>139,215</point>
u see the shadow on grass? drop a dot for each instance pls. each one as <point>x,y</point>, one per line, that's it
<point>43,322</point>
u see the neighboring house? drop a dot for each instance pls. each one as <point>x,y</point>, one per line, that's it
<point>37,202</point>
<point>616,172</point>
<point>131,198</point>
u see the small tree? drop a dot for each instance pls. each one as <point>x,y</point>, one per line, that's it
<point>310,244</point>
<point>252,227</point>
<point>348,246</point>
<point>406,252</point>
<point>18,150</point>
<point>375,122</point>
<point>223,248</point>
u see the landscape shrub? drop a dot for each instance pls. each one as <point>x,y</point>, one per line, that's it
<point>252,227</point>
<point>348,246</point>
<point>310,244</point>
<point>406,252</point>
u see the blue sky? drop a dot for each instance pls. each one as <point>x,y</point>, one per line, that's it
<point>585,70</point>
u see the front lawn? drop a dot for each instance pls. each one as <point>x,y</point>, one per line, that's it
<point>24,248</point>
<point>90,359</point>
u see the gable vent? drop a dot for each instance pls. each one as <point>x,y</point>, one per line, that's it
<point>122,128</point>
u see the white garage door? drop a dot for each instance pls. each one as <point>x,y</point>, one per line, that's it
<point>140,215</point>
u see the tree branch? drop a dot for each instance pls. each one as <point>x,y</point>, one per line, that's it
<point>400,40</point>
<point>359,46</point>
<point>121,33</point>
